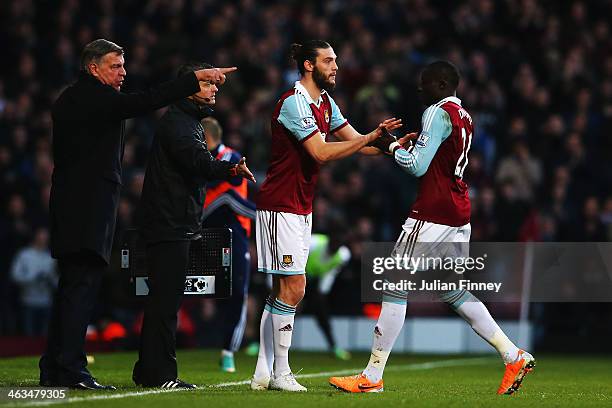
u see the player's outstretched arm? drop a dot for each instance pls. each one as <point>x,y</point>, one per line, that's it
<point>415,159</point>
<point>323,152</point>
<point>348,132</point>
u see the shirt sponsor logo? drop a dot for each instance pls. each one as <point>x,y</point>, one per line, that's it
<point>287,261</point>
<point>308,122</point>
<point>422,140</point>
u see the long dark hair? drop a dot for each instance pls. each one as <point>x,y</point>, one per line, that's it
<point>307,51</point>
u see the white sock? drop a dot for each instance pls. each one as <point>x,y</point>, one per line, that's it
<point>283,316</point>
<point>227,353</point>
<point>387,329</point>
<point>478,316</point>
<point>265,358</point>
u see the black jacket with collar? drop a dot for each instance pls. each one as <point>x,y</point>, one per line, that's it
<point>179,167</point>
<point>88,142</point>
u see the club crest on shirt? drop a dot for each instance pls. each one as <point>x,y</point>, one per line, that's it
<point>423,139</point>
<point>287,261</point>
<point>308,122</point>
<point>326,113</point>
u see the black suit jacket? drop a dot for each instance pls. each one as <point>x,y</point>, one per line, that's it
<point>88,142</point>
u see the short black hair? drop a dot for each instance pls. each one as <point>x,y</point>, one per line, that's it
<point>443,70</point>
<point>192,66</point>
<point>96,50</point>
<point>307,52</point>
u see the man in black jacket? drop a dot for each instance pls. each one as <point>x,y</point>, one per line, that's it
<point>88,142</point>
<point>170,213</point>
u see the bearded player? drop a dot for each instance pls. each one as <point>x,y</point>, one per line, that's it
<point>303,119</point>
<point>441,214</point>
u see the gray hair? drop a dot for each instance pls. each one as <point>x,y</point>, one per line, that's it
<point>96,49</point>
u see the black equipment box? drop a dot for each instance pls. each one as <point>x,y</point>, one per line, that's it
<point>209,271</point>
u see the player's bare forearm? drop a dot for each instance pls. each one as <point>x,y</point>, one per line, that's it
<point>353,134</point>
<point>370,151</point>
<point>348,132</point>
<point>323,152</point>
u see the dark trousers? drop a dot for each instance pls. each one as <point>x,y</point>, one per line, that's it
<point>64,362</point>
<point>234,309</point>
<point>166,262</point>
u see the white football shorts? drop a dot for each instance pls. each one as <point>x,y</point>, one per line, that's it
<point>283,242</point>
<point>427,239</point>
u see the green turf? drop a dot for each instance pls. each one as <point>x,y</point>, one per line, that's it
<point>450,381</point>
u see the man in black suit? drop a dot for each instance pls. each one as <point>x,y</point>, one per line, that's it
<point>170,209</point>
<point>88,142</point>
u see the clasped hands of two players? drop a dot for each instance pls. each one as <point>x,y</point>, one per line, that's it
<point>387,142</point>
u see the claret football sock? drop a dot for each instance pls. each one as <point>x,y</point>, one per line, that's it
<point>265,358</point>
<point>387,329</point>
<point>283,316</point>
<point>477,315</point>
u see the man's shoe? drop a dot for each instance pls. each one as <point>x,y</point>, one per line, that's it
<point>515,373</point>
<point>91,384</point>
<point>48,381</point>
<point>356,383</point>
<point>48,378</point>
<point>286,382</point>
<point>178,384</point>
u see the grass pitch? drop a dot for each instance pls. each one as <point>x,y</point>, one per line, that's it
<point>415,381</point>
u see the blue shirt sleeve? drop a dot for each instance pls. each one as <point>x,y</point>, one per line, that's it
<point>337,119</point>
<point>436,127</point>
<point>297,117</point>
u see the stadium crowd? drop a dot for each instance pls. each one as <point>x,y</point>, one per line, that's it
<point>537,78</point>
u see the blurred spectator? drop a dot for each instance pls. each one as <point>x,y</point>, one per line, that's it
<point>522,170</point>
<point>33,270</point>
<point>589,226</point>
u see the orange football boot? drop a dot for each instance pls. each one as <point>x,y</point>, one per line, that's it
<point>356,383</point>
<point>516,372</point>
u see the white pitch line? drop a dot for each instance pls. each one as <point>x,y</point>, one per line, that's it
<point>404,367</point>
